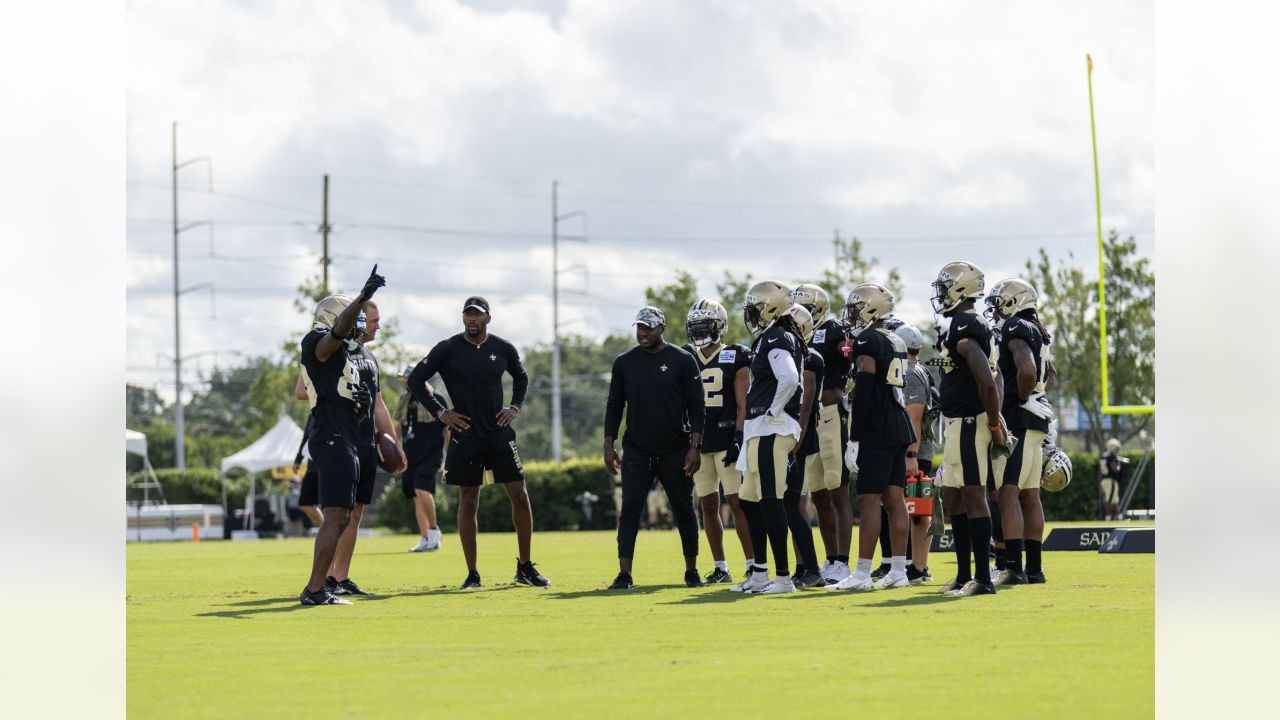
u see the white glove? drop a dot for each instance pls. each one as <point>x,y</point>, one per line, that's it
<point>1039,406</point>
<point>937,478</point>
<point>851,456</point>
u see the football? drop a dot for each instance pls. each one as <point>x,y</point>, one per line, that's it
<point>390,457</point>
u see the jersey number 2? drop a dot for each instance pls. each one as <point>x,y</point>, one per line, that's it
<point>713,387</point>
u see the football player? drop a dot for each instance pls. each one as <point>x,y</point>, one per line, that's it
<point>338,402</point>
<point>881,430</point>
<point>726,375</point>
<point>1026,365</point>
<point>771,429</point>
<point>807,571</point>
<point>826,477</point>
<point>974,427</point>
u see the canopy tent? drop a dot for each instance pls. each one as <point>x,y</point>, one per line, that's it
<point>277,448</point>
<point>135,443</point>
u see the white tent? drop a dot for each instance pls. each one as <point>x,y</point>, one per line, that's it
<point>135,443</point>
<point>277,448</point>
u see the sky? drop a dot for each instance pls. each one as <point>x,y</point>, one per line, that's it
<point>697,136</point>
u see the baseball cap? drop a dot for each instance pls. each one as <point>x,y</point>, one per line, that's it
<point>911,336</point>
<point>477,302</point>
<point>650,316</point>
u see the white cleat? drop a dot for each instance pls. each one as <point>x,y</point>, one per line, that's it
<point>754,583</point>
<point>778,586</point>
<point>841,571</point>
<point>433,539</point>
<point>893,581</point>
<point>826,572</point>
<point>853,582</point>
<point>424,544</point>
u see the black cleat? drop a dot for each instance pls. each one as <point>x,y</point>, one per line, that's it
<point>691,579</point>
<point>719,576</point>
<point>916,577</point>
<point>953,586</point>
<point>321,597</point>
<point>622,582</point>
<point>527,574</point>
<point>346,587</point>
<point>472,582</point>
<point>880,571</point>
<point>973,587</point>
<point>331,584</point>
<point>1035,578</point>
<point>1009,577</point>
<point>809,579</point>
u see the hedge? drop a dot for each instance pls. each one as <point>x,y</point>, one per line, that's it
<point>194,486</point>
<point>1079,500</point>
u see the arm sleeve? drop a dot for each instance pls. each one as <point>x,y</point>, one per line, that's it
<point>424,371</point>
<point>617,399</point>
<point>694,397</point>
<point>519,377</point>
<point>861,410</point>
<point>788,377</point>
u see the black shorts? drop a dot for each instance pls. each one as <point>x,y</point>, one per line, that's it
<point>879,467</point>
<point>338,466</point>
<point>368,456</point>
<point>795,474</point>
<point>420,476</point>
<point>469,457</point>
<point>310,492</point>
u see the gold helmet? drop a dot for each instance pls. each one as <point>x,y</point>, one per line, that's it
<point>1010,297</point>
<point>328,310</point>
<point>803,320</point>
<point>957,281</point>
<point>1056,471</point>
<point>866,304</point>
<point>814,299</point>
<point>765,302</point>
<point>706,322</point>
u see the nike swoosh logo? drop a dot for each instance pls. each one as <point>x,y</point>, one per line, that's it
<point>962,327</point>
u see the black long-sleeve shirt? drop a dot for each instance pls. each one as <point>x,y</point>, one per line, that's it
<point>663,396</point>
<point>473,375</point>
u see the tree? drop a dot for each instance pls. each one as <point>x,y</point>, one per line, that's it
<point>1069,309</point>
<point>674,300</point>
<point>142,406</point>
<point>732,291</point>
<point>852,268</point>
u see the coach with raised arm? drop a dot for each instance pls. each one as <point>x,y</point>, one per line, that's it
<point>661,388</point>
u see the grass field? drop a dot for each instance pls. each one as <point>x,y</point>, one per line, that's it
<point>215,630</point>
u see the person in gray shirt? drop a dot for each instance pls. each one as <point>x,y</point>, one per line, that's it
<point>920,401</point>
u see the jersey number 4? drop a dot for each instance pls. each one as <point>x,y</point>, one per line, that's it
<point>713,387</point>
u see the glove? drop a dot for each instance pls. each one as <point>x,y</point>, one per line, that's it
<point>731,455</point>
<point>937,478</point>
<point>851,456</point>
<point>371,285</point>
<point>1039,406</point>
<point>362,396</point>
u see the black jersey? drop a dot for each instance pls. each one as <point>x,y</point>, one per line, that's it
<point>879,405</point>
<point>367,369</point>
<point>828,340</point>
<point>473,376</point>
<point>763,383</point>
<point>329,387</point>
<point>815,364</point>
<point>1016,328</point>
<point>959,389</point>
<point>663,396</point>
<point>718,373</point>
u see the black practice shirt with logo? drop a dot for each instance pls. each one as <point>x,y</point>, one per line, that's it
<point>473,376</point>
<point>717,373</point>
<point>764,385</point>
<point>815,364</point>
<point>880,417</point>
<point>828,339</point>
<point>959,389</point>
<point>663,396</point>
<point>367,368</point>
<point>329,386</point>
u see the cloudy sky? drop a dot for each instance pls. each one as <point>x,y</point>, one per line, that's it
<point>695,135</point>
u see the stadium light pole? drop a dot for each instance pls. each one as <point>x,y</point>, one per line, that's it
<point>179,446</point>
<point>556,416</point>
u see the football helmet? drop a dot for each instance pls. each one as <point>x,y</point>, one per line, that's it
<point>799,315</point>
<point>706,322</point>
<point>957,281</point>
<point>328,310</point>
<point>866,304</point>
<point>765,302</point>
<point>814,299</point>
<point>1056,472</point>
<point>1008,298</point>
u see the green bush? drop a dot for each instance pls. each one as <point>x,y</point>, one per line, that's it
<point>194,486</point>
<point>1079,500</point>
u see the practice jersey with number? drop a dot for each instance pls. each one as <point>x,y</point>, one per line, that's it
<point>959,389</point>
<point>828,340</point>
<point>763,383</point>
<point>367,369</point>
<point>1016,328</point>
<point>881,415</point>
<point>329,386</point>
<point>813,363</point>
<point>718,373</point>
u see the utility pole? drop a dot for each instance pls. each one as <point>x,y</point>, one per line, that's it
<point>556,417</point>
<point>179,446</point>
<point>324,229</point>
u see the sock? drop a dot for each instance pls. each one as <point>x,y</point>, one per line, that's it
<point>843,558</point>
<point>775,516</point>
<point>898,564</point>
<point>1033,556</point>
<point>1013,555</point>
<point>761,568</point>
<point>864,567</point>
<point>980,538</point>
<point>831,559</point>
<point>960,532</point>
<point>722,565</point>
<point>757,528</point>
<point>999,553</point>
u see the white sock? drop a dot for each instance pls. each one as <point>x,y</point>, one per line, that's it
<point>864,567</point>
<point>722,565</point>
<point>898,564</point>
<point>762,569</point>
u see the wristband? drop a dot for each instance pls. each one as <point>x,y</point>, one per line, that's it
<point>994,427</point>
<point>911,454</point>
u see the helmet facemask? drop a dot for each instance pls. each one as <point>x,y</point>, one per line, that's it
<point>703,331</point>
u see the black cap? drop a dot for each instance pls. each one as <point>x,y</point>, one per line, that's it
<point>477,302</point>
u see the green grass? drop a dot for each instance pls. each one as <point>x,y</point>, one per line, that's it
<point>215,630</point>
